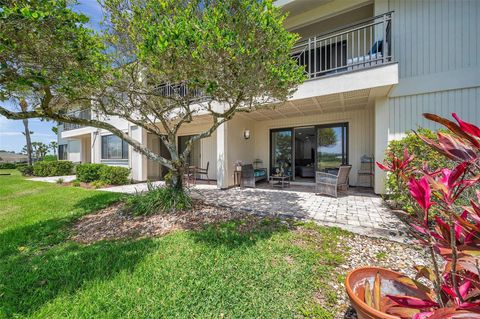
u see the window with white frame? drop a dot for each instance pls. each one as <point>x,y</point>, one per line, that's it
<point>113,147</point>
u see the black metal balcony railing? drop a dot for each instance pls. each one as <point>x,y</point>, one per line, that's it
<point>364,44</point>
<point>181,91</point>
<point>83,114</point>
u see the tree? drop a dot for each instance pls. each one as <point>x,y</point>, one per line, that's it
<point>327,137</point>
<point>169,61</point>
<point>53,146</point>
<point>27,132</point>
<point>39,150</point>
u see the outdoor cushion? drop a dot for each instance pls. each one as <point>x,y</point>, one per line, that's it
<point>259,173</point>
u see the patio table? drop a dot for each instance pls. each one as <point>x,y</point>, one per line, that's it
<point>281,181</point>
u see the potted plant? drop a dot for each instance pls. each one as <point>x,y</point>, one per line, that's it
<point>445,224</point>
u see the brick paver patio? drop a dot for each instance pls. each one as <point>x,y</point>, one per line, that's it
<point>359,211</point>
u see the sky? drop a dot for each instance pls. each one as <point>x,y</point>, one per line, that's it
<point>11,137</point>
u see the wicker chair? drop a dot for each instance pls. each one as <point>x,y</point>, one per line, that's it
<point>328,184</point>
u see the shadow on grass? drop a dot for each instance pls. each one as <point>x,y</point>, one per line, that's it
<point>97,201</point>
<point>34,274</point>
<point>38,262</point>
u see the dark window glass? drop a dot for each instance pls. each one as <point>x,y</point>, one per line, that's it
<point>113,147</point>
<point>62,152</point>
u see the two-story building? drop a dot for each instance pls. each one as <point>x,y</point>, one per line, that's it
<point>373,67</point>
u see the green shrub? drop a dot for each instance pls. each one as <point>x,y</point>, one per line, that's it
<point>56,168</point>
<point>18,165</point>
<point>7,165</point>
<point>76,183</point>
<point>114,175</point>
<point>88,172</point>
<point>156,200</point>
<point>59,181</point>
<point>49,158</point>
<point>26,170</point>
<point>397,191</point>
<point>98,184</point>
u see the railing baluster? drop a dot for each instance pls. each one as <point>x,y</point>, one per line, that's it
<point>358,46</point>
<point>341,50</point>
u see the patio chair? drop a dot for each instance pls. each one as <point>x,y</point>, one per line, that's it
<point>203,171</point>
<point>328,184</point>
<point>189,175</point>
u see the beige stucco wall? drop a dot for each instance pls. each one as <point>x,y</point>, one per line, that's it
<point>360,126</point>
<point>239,148</point>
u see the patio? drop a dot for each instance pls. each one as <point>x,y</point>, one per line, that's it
<point>359,210</point>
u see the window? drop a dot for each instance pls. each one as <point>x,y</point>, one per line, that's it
<point>62,152</point>
<point>113,147</point>
<point>332,146</point>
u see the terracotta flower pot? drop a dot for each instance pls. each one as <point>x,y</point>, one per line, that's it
<point>355,279</point>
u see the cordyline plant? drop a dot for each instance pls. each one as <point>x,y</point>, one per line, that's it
<point>452,232</point>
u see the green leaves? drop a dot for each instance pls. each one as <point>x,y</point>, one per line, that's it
<point>45,44</point>
<point>241,45</point>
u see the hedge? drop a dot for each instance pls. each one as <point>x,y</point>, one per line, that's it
<point>55,168</point>
<point>50,158</point>
<point>88,172</point>
<point>7,165</point>
<point>26,170</point>
<point>112,175</point>
<point>398,192</point>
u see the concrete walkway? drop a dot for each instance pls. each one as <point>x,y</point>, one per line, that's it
<point>53,179</point>
<point>358,211</point>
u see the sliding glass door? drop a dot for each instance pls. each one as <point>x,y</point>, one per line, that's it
<point>281,151</point>
<point>299,152</point>
<point>332,146</point>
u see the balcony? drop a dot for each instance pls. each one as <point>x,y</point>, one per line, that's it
<point>82,114</point>
<point>359,46</point>
<point>181,91</point>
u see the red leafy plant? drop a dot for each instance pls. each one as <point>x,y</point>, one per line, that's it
<point>452,232</point>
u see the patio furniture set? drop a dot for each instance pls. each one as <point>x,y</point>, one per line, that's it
<point>325,183</point>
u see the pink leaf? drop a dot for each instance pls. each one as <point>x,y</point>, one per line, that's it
<point>467,127</point>
<point>383,167</point>
<point>420,190</point>
<point>463,288</point>
<point>413,302</point>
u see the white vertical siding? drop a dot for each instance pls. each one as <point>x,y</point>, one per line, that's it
<point>433,36</point>
<point>406,111</point>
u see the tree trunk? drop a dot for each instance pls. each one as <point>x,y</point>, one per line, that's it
<point>29,141</point>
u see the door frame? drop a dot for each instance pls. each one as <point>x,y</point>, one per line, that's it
<point>345,148</point>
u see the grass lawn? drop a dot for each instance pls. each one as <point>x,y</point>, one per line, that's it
<point>220,272</point>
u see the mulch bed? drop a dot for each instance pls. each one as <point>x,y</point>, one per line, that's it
<point>112,223</point>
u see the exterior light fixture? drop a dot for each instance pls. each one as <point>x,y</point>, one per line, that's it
<point>246,134</point>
